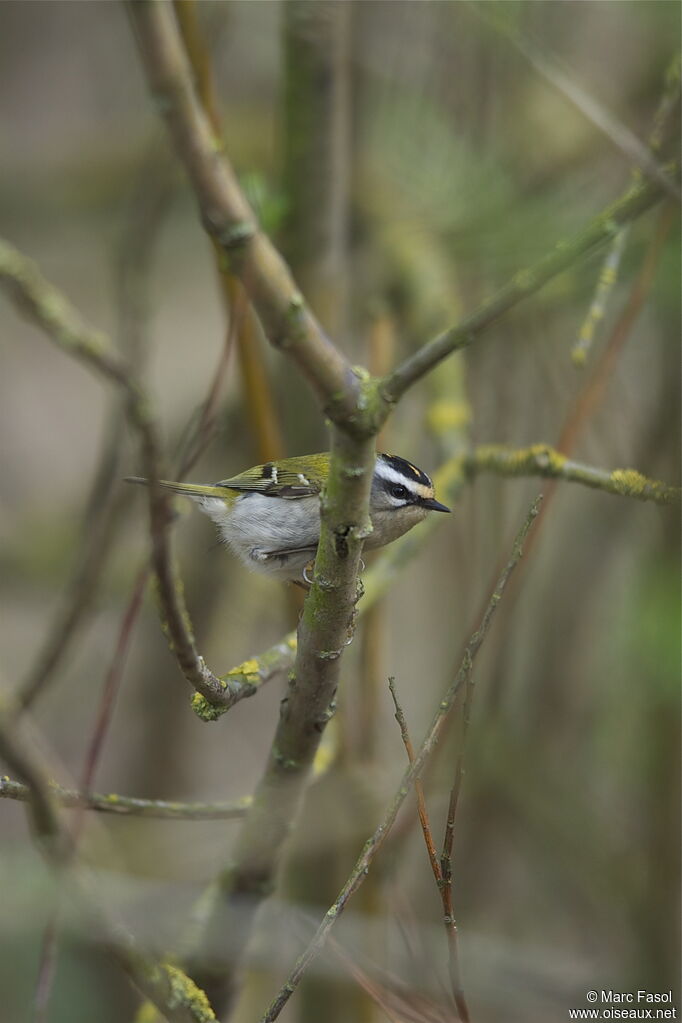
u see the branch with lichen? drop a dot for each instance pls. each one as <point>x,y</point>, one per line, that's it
<point>130,806</point>
<point>175,995</point>
<point>543,460</point>
<point>45,306</point>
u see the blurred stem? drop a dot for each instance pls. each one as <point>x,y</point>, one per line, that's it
<point>610,266</point>
<point>130,806</point>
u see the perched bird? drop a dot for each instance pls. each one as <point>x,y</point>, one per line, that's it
<point>270,515</point>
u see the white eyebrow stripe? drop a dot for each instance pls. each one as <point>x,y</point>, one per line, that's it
<point>387,472</point>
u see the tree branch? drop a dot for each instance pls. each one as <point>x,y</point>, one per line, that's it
<point>543,460</point>
<point>130,806</point>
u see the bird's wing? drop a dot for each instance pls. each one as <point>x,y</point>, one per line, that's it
<point>290,478</point>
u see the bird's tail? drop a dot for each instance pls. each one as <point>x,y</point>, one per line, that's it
<point>188,489</point>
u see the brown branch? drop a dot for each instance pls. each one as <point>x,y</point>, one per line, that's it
<point>413,772</point>
<point>441,870</point>
<point>418,787</point>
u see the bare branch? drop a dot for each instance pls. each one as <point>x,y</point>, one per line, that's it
<point>131,806</point>
<point>418,787</point>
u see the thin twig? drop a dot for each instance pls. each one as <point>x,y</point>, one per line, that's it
<point>441,869</point>
<point>131,806</point>
<point>418,787</point>
<point>414,770</point>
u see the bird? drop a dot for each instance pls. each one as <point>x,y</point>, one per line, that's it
<point>269,515</point>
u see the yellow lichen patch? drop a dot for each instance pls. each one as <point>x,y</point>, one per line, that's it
<point>184,992</point>
<point>543,453</point>
<point>579,357</point>
<point>629,482</point>
<point>247,672</point>
<point>203,709</point>
<point>448,415</point>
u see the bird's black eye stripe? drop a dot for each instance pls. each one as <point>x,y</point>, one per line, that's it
<point>399,491</point>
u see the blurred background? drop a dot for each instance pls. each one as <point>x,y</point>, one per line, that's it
<point>408,158</point>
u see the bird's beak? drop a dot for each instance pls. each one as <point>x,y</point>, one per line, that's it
<point>433,505</point>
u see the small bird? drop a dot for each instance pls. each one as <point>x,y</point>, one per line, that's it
<point>270,515</point>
